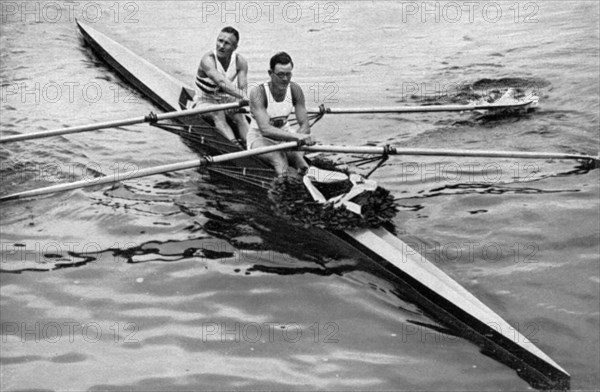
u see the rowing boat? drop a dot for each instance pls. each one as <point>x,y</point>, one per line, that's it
<point>435,292</point>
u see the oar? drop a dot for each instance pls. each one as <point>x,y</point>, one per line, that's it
<point>150,118</point>
<point>420,109</point>
<point>389,150</point>
<point>205,161</point>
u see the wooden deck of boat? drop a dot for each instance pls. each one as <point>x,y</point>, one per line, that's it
<point>439,294</point>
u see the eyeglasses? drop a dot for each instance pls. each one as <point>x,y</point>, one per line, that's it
<point>281,75</point>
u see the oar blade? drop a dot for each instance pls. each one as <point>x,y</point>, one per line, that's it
<point>589,163</point>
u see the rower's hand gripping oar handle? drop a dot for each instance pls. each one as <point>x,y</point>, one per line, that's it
<point>151,118</point>
<point>309,140</point>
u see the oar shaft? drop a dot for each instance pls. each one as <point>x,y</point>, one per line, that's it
<point>201,110</point>
<point>150,171</point>
<point>450,153</point>
<point>419,109</point>
<point>66,131</point>
<point>103,180</point>
<point>491,154</point>
<point>249,153</point>
<point>121,123</point>
<point>348,149</point>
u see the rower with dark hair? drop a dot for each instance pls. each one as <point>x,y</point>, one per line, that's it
<point>216,82</point>
<point>271,104</point>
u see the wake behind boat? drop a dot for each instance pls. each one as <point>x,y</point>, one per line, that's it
<point>435,292</point>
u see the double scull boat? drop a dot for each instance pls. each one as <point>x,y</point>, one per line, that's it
<point>436,293</point>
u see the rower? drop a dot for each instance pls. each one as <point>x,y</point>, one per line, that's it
<point>271,104</point>
<point>216,83</point>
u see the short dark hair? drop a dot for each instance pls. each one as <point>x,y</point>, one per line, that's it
<point>280,58</point>
<point>231,30</point>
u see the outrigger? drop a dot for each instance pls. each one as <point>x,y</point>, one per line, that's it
<point>437,294</point>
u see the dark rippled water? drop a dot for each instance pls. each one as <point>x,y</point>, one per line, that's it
<point>176,282</point>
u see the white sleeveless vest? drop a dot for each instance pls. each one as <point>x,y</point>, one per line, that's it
<point>279,111</point>
<point>278,115</point>
<point>205,85</point>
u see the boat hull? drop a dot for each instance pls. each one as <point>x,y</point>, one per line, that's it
<point>446,301</point>
<point>436,293</point>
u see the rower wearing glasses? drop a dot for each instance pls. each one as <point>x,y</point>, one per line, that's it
<point>271,105</point>
<point>222,78</point>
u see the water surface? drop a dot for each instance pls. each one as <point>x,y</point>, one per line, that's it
<point>176,282</point>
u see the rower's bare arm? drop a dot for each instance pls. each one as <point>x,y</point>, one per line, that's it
<point>259,111</point>
<point>300,109</point>
<point>209,67</point>
<point>242,76</point>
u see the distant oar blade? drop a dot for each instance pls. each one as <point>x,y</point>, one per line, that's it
<point>150,171</point>
<point>151,118</point>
